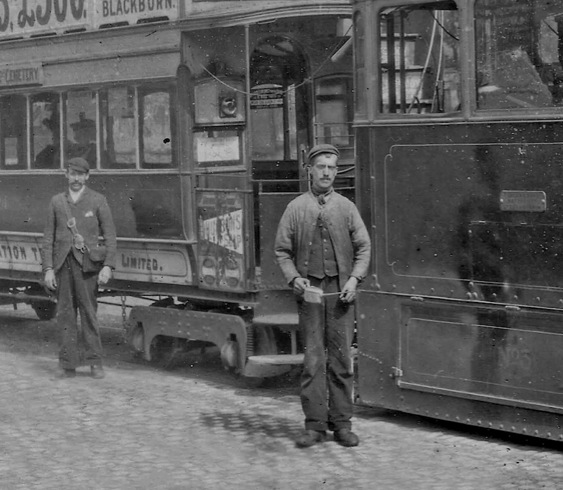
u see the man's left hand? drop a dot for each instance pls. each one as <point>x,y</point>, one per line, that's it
<point>348,294</point>
<point>105,275</point>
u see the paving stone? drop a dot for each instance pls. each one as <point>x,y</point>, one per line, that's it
<point>143,428</point>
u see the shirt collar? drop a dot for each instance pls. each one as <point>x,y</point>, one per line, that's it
<point>75,196</point>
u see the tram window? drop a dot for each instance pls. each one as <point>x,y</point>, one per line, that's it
<point>13,144</point>
<point>81,126</point>
<point>419,59</point>
<point>118,127</point>
<point>333,115</point>
<point>268,142</point>
<point>360,64</point>
<point>155,117</point>
<point>519,54</point>
<point>45,130</point>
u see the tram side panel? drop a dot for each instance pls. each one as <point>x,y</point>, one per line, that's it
<point>462,320</point>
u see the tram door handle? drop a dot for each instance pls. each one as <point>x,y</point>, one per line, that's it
<point>512,308</point>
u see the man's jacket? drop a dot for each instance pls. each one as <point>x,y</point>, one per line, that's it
<point>93,219</point>
<point>347,231</point>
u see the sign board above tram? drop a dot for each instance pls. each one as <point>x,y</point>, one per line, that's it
<point>25,18</point>
<point>21,75</point>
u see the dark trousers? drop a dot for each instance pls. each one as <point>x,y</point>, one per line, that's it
<point>327,379</point>
<point>81,343</point>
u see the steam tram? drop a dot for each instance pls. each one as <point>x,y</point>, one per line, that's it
<point>459,134</point>
<point>195,117</point>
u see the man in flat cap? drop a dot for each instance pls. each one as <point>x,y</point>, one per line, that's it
<point>75,262</point>
<point>322,242</point>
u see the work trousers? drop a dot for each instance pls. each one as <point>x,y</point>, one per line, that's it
<point>77,291</point>
<point>328,376</point>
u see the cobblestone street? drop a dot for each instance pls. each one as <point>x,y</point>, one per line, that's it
<point>198,428</point>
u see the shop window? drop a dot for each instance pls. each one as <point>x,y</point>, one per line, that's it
<point>156,128</point>
<point>118,127</point>
<point>45,130</point>
<point>81,128</point>
<point>13,145</point>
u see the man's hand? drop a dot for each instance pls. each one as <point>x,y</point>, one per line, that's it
<point>299,285</point>
<point>50,280</point>
<point>348,294</point>
<point>105,275</point>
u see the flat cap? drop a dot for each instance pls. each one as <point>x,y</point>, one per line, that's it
<point>320,149</point>
<point>78,164</point>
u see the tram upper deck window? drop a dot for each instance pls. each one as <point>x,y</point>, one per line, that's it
<point>419,59</point>
<point>13,142</point>
<point>519,53</point>
<point>45,130</point>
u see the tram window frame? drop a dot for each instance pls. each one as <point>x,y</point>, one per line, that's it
<point>20,137</point>
<point>133,107</point>
<point>48,157</point>
<point>144,91</point>
<point>360,88</point>
<point>80,122</point>
<point>338,132</point>
<point>219,113</point>
<point>110,114</point>
<point>407,84</point>
<point>518,64</point>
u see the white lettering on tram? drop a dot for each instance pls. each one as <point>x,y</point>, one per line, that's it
<point>112,8</point>
<point>43,13</point>
<point>139,263</point>
<point>19,253</point>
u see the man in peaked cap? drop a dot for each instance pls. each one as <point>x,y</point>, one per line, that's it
<point>70,245</point>
<point>322,242</point>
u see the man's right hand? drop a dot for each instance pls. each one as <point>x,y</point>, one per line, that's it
<point>299,285</point>
<point>50,280</point>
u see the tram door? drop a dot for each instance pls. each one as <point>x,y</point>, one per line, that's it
<point>279,112</point>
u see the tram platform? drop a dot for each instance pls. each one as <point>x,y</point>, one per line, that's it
<point>197,428</point>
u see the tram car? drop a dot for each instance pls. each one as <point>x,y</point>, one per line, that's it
<point>195,117</point>
<point>459,136</point>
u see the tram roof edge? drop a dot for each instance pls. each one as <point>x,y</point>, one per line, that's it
<point>248,15</point>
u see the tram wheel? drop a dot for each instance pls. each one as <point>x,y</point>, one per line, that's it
<point>164,351</point>
<point>45,310</point>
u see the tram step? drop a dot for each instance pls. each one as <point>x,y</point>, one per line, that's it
<point>271,365</point>
<point>277,359</point>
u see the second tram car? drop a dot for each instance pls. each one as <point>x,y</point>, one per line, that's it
<point>195,117</point>
<point>459,173</point>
